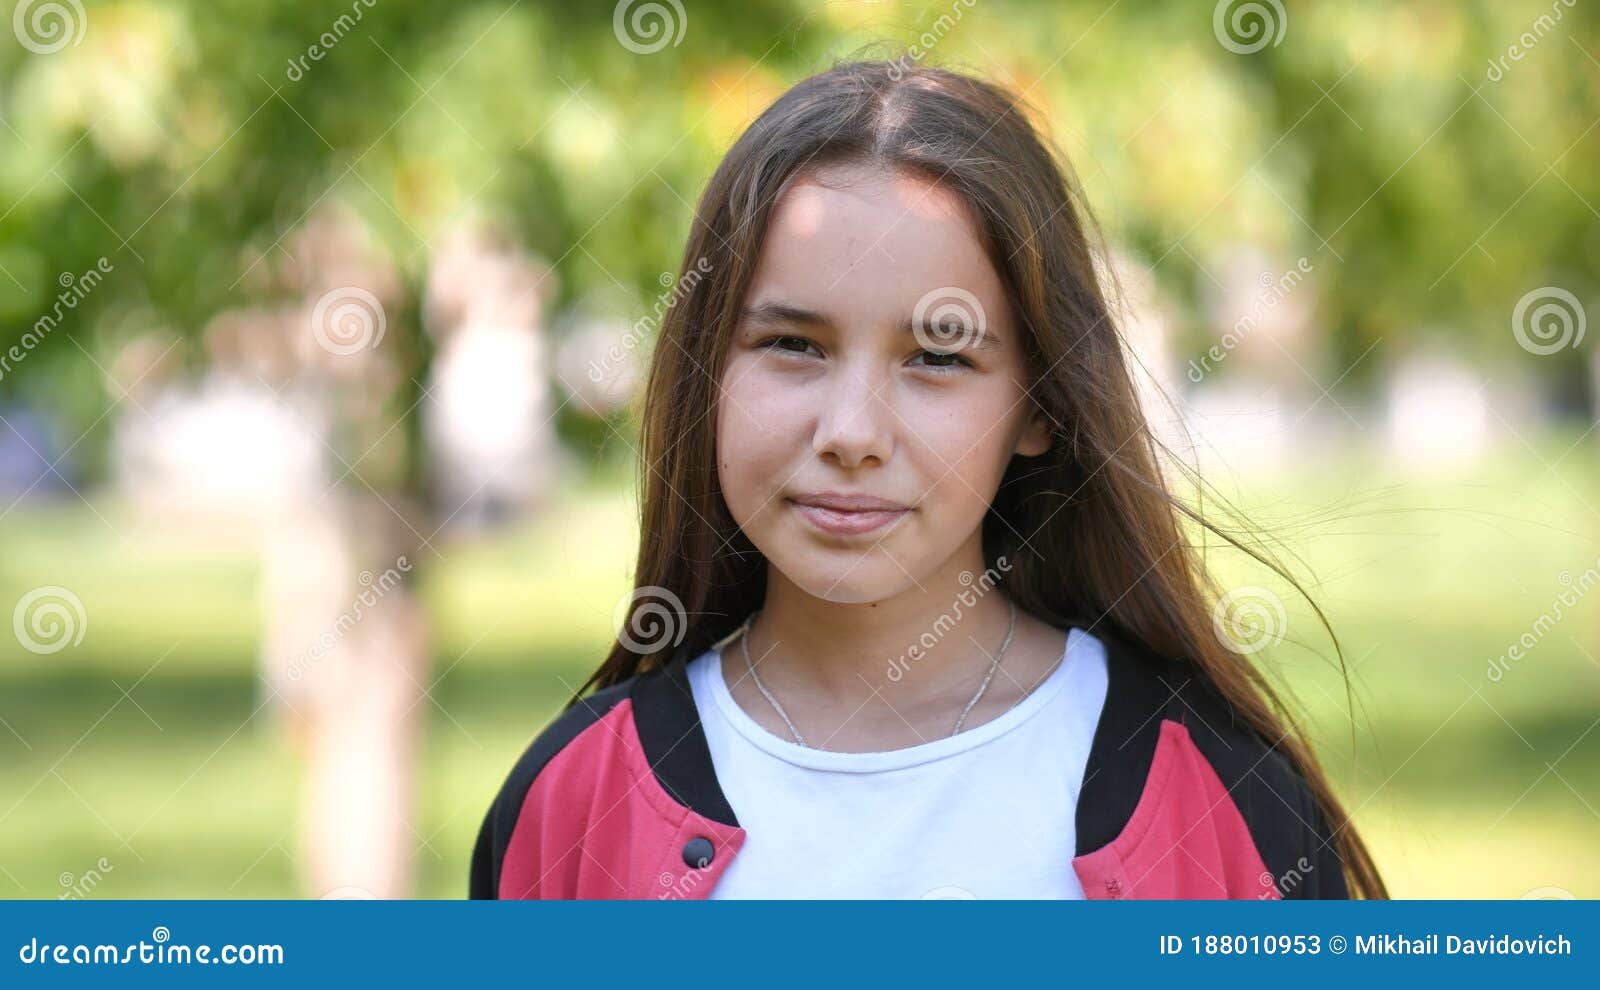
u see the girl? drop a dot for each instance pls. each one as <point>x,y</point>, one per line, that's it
<point>916,614</point>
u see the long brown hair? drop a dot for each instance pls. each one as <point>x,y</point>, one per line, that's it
<point>1105,536</point>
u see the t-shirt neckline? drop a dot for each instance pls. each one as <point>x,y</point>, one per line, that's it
<point>893,759</point>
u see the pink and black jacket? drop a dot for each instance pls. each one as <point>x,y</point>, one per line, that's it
<point>617,798</point>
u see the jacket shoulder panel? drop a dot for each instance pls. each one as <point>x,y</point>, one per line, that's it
<point>500,823</point>
<point>1277,803</point>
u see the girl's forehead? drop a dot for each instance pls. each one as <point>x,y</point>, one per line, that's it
<point>867,192</point>
<point>865,235</point>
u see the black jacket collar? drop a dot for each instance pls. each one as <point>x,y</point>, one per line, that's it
<point>1139,693</point>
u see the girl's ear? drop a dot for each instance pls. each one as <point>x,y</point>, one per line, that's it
<point>1035,437</point>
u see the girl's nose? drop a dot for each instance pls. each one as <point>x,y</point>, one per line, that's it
<point>855,422</point>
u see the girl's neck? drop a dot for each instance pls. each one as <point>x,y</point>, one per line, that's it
<point>933,637</point>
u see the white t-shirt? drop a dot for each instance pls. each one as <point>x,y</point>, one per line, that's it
<point>987,813</point>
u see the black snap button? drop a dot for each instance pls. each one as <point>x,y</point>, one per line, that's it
<point>697,852</point>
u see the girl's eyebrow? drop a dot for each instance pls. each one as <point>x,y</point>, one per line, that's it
<point>967,337</point>
<point>787,314</point>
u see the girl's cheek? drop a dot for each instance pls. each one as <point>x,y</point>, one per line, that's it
<point>947,429</point>
<point>769,403</point>
<point>761,424</point>
<point>960,448</point>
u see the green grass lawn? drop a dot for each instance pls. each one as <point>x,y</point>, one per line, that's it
<point>1465,786</point>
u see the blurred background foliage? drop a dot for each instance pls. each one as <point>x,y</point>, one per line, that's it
<point>1372,134</point>
<point>191,147</point>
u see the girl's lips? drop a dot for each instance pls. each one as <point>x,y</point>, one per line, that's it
<point>844,522</point>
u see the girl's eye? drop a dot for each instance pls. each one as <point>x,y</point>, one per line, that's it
<point>941,362</point>
<point>944,361</point>
<point>794,345</point>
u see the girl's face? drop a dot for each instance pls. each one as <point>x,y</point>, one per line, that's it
<point>875,388</point>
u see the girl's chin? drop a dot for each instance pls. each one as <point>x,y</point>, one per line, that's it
<point>851,578</point>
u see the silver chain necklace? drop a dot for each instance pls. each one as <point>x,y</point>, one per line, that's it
<point>994,665</point>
